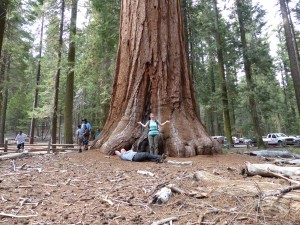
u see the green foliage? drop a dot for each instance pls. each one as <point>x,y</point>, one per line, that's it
<point>17,44</point>
<point>98,44</point>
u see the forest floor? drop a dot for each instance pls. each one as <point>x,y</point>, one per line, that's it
<point>92,188</point>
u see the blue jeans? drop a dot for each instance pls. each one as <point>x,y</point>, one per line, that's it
<point>145,156</point>
<point>153,144</point>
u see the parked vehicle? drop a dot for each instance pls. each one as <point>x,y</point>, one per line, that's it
<point>235,140</point>
<point>250,140</point>
<point>241,140</point>
<point>280,139</point>
<point>220,139</point>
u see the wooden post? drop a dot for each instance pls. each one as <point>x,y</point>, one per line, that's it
<point>5,144</point>
<point>49,145</point>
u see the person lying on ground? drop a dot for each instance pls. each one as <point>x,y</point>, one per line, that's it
<point>139,156</point>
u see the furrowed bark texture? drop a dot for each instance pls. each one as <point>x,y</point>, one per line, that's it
<point>152,74</point>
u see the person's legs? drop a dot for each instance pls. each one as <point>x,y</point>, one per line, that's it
<point>85,143</point>
<point>22,146</point>
<point>18,147</point>
<point>151,143</point>
<point>80,139</point>
<point>155,143</point>
<point>146,156</point>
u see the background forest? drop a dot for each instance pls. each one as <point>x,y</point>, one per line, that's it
<point>58,57</point>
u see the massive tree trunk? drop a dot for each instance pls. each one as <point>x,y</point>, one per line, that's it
<point>248,73</point>
<point>57,76</point>
<point>292,51</point>
<point>68,110</point>
<point>226,115</point>
<point>152,74</point>
<point>38,76</point>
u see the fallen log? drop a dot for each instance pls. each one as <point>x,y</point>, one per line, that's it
<point>265,169</point>
<point>286,161</point>
<point>281,191</point>
<point>274,154</point>
<point>13,156</point>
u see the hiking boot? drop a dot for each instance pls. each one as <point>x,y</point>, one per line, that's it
<point>162,158</point>
<point>80,150</point>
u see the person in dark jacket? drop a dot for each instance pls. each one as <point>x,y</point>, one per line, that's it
<point>139,156</point>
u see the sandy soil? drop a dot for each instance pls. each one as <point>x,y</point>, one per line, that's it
<point>91,188</point>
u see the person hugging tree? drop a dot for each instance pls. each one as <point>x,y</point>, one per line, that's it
<point>153,132</point>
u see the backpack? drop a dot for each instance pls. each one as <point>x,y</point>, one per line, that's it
<point>86,133</point>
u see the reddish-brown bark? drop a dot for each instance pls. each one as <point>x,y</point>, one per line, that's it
<point>152,75</point>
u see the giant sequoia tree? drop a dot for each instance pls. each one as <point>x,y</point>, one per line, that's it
<point>152,74</point>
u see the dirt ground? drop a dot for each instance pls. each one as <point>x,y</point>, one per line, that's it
<point>92,188</point>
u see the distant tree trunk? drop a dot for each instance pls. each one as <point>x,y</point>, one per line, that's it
<point>3,9</point>
<point>4,94</point>
<point>152,74</point>
<point>292,52</point>
<point>212,115</point>
<point>232,99</point>
<point>249,79</point>
<point>57,76</point>
<point>5,101</point>
<point>284,85</point>
<point>3,12</point>
<point>212,106</point>
<point>292,30</point>
<point>107,77</point>
<point>284,74</point>
<point>68,111</point>
<point>226,115</point>
<point>38,76</point>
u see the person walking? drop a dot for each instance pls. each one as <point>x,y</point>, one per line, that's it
<point>20,138</point>
<point>153,132</point>
<point>79,135</point>
<point>139,156</point>
<point>88,126</point>
<point>86,135</point>
<point>85,122</point>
